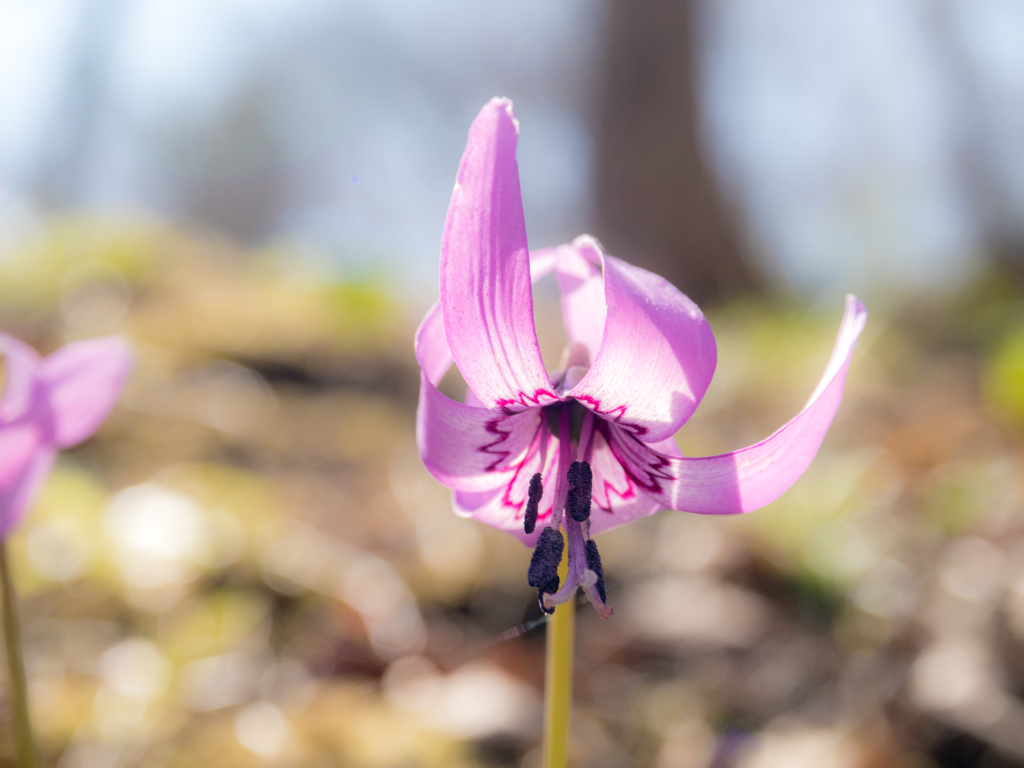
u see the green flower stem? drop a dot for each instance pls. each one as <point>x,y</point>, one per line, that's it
<point>27,757</point>
<point>558,682</point>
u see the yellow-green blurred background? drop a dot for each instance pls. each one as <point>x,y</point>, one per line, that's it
<point>248,564</point>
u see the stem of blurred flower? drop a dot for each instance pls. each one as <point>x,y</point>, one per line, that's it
<point>558,683</point>
<point>27,757</point>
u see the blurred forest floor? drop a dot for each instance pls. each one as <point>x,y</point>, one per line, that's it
<point>249,566</point>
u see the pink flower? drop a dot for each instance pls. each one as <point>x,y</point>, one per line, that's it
<point>594,438</point>
<point>49,404</point>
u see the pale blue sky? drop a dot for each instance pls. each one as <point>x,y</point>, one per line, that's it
<point>841,131</point>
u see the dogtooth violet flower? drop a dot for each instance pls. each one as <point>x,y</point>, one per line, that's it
<point>590,446</point>
<point>48,404</point>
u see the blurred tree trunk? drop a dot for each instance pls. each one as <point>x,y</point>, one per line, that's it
<point>658,205</point>
<point>980,164</point>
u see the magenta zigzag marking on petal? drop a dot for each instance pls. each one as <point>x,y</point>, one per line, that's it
<point>604,496</point>
<point>545,513</point>
<point>506,497</point>
<point>609,489</point>
<point>614,415</point>
<point>655,471</point>
<point>528,401</point>
<point>492,427</point>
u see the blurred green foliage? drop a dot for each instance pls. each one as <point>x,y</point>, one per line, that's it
<point>1004,376</point>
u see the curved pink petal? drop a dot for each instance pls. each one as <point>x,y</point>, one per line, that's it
<point>19,371</point>
<point>82,381</point>
<point>467,448</point>
<point>19,490</point>
<point>616,499</point>
<point>542,262</point>
<point>656,358</point>
<point>750,478</point>
<point>19,441</point>
<point>486,294</point>
<point>432,351</point>
<point>503,508</point>
<point>467,503</point>
<point>26,432</point>
<point>581,286</point>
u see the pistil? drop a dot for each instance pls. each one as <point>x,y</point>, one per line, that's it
<point>586,446</point>
<point>562,478</point>
<point>585,571</point>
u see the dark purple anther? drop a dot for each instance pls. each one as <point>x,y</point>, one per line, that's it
<point>533,503</point>
<point>581,481</point>
<point>546,557</point>
<point>594,564</point>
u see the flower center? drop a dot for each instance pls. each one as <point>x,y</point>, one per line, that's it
<point>577,415</point>
<point>573,492</point>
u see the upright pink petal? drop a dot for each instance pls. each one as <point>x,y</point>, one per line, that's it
<point>82,381</point>
<point>467,448</point>
<point>16,384</point>
<point>486,295</point>
<point>432,351</point>
<point>750,478</point>
<point>656,358</point>
<point>581,285</point>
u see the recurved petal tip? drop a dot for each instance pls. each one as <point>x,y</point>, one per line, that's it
<point>752,477</point>
<point>500,104</point>
<point>83,380</point>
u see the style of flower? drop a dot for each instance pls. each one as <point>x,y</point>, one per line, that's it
<point>589,446</point>
<point>49,404</point>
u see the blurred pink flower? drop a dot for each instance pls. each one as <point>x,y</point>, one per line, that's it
<point>529,445</point>
<point>48,404</point>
